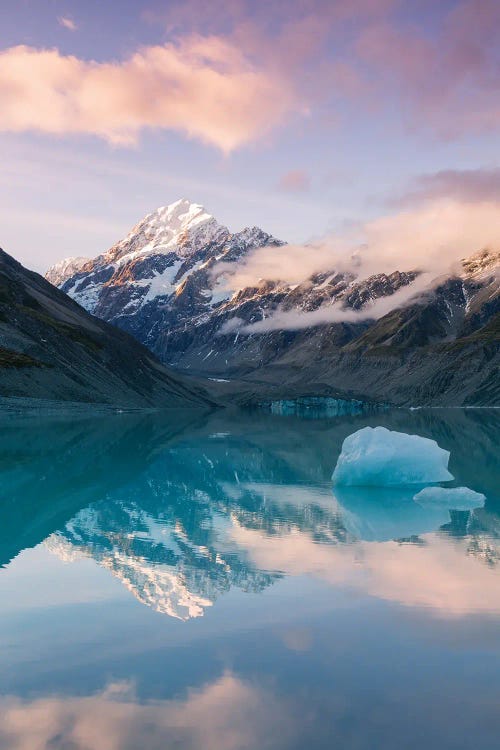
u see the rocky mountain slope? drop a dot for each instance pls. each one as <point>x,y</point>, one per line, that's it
<point>51,348</point>
<point>442,348</point>
<point>168,284</point>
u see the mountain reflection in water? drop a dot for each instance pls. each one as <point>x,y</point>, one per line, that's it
<point>182,515</point>
<point>281,612</point>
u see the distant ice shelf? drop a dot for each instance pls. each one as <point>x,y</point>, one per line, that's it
<point>317,407</point>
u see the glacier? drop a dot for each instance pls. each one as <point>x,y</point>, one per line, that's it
<point>378,457</point>
<point>315,407</point>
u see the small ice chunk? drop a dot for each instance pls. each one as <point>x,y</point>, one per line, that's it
<point>378,457</point>
<point>454,498</point>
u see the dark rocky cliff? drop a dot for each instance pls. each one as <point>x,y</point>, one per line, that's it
<point>51,348</point>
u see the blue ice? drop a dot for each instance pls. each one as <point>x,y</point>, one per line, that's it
<point>378,457</point>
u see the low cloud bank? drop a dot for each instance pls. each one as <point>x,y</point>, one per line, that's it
<point>431,238</point>
<point>296,319</point>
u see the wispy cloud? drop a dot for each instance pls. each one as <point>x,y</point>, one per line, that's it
<point>431,238</point>
<point>468,185</point>
<point>295,181</point>
<point>436,71</point>
<point>298,320</point>
<point>443,75</point>
<point>67,23</point>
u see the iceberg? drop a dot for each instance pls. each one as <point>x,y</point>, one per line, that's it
<point>378,457</point>
<point>454,498</point>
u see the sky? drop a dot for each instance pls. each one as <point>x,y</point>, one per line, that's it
<point>304,117</point>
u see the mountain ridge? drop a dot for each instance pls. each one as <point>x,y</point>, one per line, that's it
<point>168,283</point>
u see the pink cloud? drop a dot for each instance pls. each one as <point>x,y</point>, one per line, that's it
<point>299,38</point>
<point>254,66</point>
<point>200,15</point>
<point>295,181</point>
<point>452,583</point>
<point>204,87</point>
<point>468,185</point>
<point>227,714</point>
<point>445,77</point>
<point>67,23</point>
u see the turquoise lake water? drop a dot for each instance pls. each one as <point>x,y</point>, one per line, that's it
<point>196,583</point>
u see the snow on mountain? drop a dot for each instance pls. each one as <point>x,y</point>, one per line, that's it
<point>168,283</point>
<point>165,282</point>
<point>167,259</point>
<point>183,227</point>
<point>158,586</point>
<point>59,272</point>
<point>163,563</point>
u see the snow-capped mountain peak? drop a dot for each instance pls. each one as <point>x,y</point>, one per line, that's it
<point>182,226</point>
<point>170,283</point>
<point>182,214</point>
<point>169,224</point>
<point>167,258</point>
